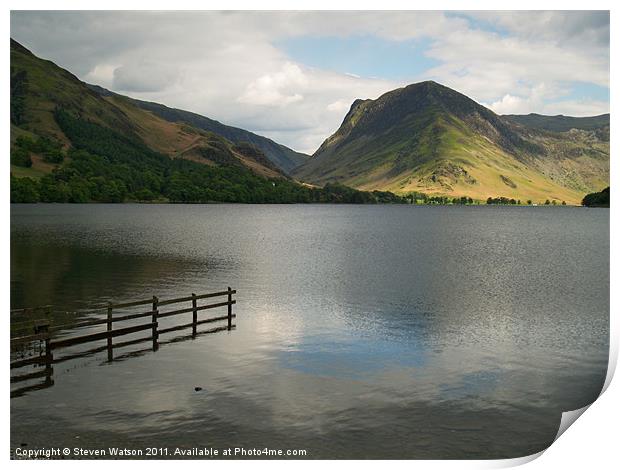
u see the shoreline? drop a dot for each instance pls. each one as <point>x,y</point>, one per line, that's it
<point>162,203</point>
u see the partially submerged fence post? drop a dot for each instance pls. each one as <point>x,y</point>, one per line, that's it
<point>154,321</point>
<point>194,315</point>
<point>229,308</point>
<point>49,359</point>
<point>109,329</point>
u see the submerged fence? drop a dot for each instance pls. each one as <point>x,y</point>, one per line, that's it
<point>40,344</point>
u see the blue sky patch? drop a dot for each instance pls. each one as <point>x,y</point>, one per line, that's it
<point>365,56</point>
<point>585,91</point>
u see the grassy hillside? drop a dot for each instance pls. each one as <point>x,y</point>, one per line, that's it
<point>431,139</point>
<point>283,157</point>
<point>180,140</point>
<point>39,86</point>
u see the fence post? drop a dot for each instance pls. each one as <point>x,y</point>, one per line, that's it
<point>229,308</point>
<point>109,329</point>
<point>48,356</point>
<point>194,314</point>
<point>154,321</point>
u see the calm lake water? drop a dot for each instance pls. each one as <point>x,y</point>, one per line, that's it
<point>362,331</point>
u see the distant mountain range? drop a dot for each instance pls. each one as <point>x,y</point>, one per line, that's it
<point>425,138</point>
<point>285,158</point>
<point>429,138</point>
<point>561,123</point>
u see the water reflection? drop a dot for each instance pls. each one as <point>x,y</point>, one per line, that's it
<point>76,277</point>
<point>411,332</point>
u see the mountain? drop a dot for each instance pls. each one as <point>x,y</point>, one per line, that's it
<point>283,157</point>
<point>429,138</point>
<point>39,87</point>
<point>560,123</point>
<point>71,142</point>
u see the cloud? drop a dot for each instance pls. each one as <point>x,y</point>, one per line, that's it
<point>509,104</point>
<point>226,65</point>
<point>487,65</point>
<point>276,89</point>
<point>580,28</point>
<point>101,74</point>
<point>143,77</point>
<point>537,99</point>
<point>339,106</point>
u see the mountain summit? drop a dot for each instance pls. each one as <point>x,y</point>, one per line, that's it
<point>429,138</point>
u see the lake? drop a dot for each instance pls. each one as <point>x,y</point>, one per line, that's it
<point>388,331</point>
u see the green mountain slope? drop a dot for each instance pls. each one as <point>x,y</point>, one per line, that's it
<point>429,138</point>
<point>38,86</point>
<point>283,157</point>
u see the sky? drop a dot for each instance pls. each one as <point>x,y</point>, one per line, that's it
<point>292,75</point>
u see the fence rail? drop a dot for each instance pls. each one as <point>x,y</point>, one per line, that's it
<point>42,331</point>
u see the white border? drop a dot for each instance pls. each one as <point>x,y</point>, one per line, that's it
<point>590,443</point>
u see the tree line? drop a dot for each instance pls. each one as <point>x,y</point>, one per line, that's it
<point>600,199</point>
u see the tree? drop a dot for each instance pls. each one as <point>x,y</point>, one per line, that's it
<point>53,156</point>
<point>600,199</point>
<point>21,157</point>
<point>144,195</point>
<point>19,89</point>
<point>24,190</point>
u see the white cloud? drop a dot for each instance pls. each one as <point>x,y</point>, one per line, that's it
<point>101,74</point>
<point>537,100</point>
<point>486,65</point>
<point>509,104</point>
<point>276,89</point>
<point>339,106</point>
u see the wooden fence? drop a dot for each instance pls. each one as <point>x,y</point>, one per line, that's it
<point>42,341</point>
